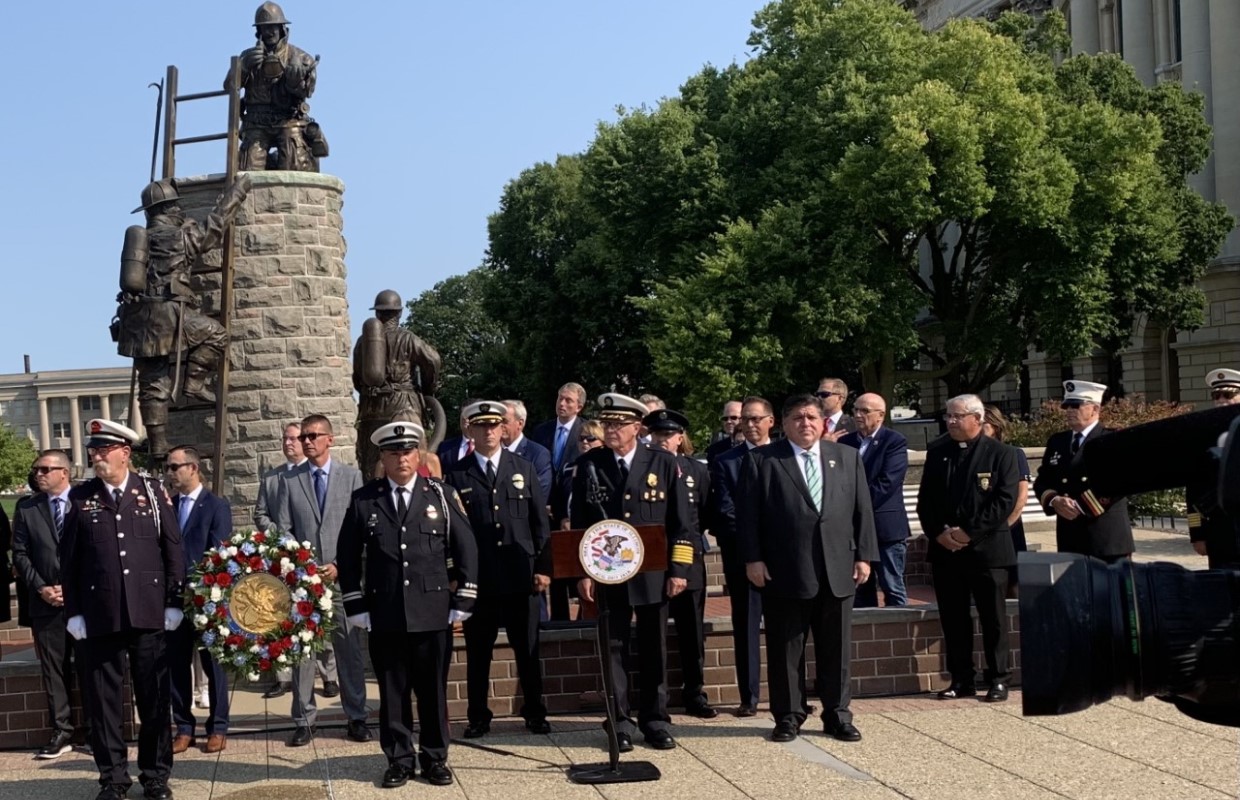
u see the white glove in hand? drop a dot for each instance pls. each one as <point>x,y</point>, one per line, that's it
<point>76,627</point>
<point>172,618</point>
<point>361,620</point>
<point>455,616</point>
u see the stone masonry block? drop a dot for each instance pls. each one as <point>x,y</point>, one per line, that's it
<point>282,321</point>
<point>262,240</point>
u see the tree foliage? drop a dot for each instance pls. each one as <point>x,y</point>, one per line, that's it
<point>17,453</point>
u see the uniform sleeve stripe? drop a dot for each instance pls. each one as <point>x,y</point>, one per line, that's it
<point>451,563</point>
<point>352,596</point>
<point>1090,500</point>
<point>682,554</point>
<point>1195,520</point>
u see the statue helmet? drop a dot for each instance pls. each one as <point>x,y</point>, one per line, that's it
<point>157,193</point>
<point>387,300</point>
<point>269,14</point>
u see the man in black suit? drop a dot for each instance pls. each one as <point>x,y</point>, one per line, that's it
<point>206,522</point>
<point>508,515</point>
<point>404,543</point>
<point>729,435</point>
<point>122,575</point>
<point>37,527</point>
<point>1088,525</point>
<point>806,533</point>
<point>453,450</point>
<point>560,436</point>
<point>757,419</point>
<point>626,481</point>
<point>884,453</point>
<point>517,443</point>
<point>833,393</point>
<point>967,491</point>
<point>688,609</point>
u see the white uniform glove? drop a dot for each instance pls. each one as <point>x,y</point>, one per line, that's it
<point>172,618</point>
<point>455,616</point>
<point>361,620</point>
<point>76,627</point>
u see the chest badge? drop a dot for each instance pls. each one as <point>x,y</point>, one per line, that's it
<point>518,481</point>
<point>983,481</point>
<point>652,480</point>
<point>432,512</point>
<point>690,482</point>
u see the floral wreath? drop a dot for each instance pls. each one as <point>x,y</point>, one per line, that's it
<point>290,641</point>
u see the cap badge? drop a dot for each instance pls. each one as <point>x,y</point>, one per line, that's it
<point>1221,376</point>
<point>96,427</point>
<point>609,401</point>
<point>1070,386</point>
<point>662,415</point>
<point>399,430</point>
<point>485,408</point>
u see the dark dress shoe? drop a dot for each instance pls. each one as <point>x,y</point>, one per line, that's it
<point>539,726</point>
<point>702,711</point>
<point>660,740</point>
<point>746,710</point>
<point>625,741</point>
<point>358,732</point>
<point>57,747</point>
<point>156,790</point>
<point>396,776</point>
<point>279,690</point>
<point>997,694</point>
<point>956,691</point>
<point>331,689</point>
<point>113,792</point>
<point>845,732</point>
<point>784,732</point>
<point>301,737</point>
<point>476,730</point>
<point>437,774</point>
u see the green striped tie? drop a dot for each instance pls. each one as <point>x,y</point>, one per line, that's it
<point>813,480</point>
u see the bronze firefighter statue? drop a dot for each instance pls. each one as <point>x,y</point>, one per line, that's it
<point>175,348</point>
<point>277,79</point>
<point>395,374</point>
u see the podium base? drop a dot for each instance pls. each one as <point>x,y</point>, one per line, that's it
<point>625,772</point>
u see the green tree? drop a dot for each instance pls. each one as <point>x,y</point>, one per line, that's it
<point>17,453</point>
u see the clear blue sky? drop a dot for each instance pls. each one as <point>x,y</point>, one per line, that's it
<point>430,109</point>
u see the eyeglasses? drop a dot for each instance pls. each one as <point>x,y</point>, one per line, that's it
<point>752,420</point>
<point>587,438</point>
<point>825,395</point>
<point>171,467</point>
<point>310,437</point>
<point>861,412</point>
<point>611,423</point>
<point>103,449</point>
<point>730,419</point>
<point>1224,394</point>
<point>957,417</point>
<point>45,470</point>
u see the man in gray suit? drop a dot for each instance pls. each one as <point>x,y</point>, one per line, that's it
<point>310,504</point>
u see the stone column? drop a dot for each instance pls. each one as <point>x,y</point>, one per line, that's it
<point>105,406</point>
<point>1224,23</point>
<point>1083,18</point>
<point>1195,72</point>
<point>1045,374</point>
<point>45,426</point>
<point>75,431</point>
<point>1137,22</point>
<point>291,342</point>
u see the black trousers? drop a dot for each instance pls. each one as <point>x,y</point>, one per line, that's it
<point>182,649</point>
<point>54,647</point>
<point>688,611</point>
<point>103,666</point>
<point>651,661</point>
<point>954,586</point>
<point>518,615</point>
<point>560,591</point>
<point>746,626</point>
<point>788,621</point>
<point>417,663</point>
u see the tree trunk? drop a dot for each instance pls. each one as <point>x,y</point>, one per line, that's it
<point>878,375</point>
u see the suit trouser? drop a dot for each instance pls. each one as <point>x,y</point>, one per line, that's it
<point>688,611</point>
<point>324,662</point>
<point>746,602</point>
<point>182,646</point>
<point>788,621</point>
<point>102,666</point>
<point>651,661</point>
<point>54,647</point>
<point>350,665</point>
<point>887,572</point>
<point>954,585</point>
<point>518,615</point>
<point>417,663</point>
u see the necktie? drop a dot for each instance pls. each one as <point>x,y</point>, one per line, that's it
<point>58,514</point>
<point>813,479</point>
<point>469,447</point>
<point>402,508</point>
<point>1076,442</point>
<point>624,472</point>
<point>116,497</point>
<point>320,489</point>
<point>561,437</point>
<point>830,425</point>
<point>187,503</point>
<point>490,472</point>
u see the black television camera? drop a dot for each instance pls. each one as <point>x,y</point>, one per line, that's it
<point>1091,631</point>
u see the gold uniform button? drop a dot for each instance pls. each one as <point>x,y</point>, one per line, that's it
<point>628,496</point>
<point>497,508</point>
<point>403,545</point>
<point>627,515</point>
<point>406,583</point>
<point>118,517</point>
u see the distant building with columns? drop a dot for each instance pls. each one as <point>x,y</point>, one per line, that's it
<point>51,408</point>
<point>1195,43</point>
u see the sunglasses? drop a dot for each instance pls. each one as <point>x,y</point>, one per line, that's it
<point>729,419</point>
<point>310,437</point>
<point>1067,404</point>
<point>825,395</point>
<point>1220,394</point>
<point>45,470</point>
<point>171,467</point>
<point>587,438</point>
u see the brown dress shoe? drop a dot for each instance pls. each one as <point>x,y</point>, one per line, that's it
<point>182,743</point>
<point>216,742</point>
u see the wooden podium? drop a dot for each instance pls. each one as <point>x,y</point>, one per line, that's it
<point>566,563</point>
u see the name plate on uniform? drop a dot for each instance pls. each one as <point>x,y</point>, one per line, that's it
<point>611,551</point>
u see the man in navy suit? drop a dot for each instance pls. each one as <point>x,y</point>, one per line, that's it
<point>206,521</point>
<point>757,417</point>
<point>561,435</point>
<point>453,450</point>
<point>884,454</point>
<point>517,443</point>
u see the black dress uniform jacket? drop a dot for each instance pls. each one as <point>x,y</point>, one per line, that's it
<point>653,495</point>
<point>1104,537</point>
<point>1207,522</point>
<point>110,573</point>
<point>696,479</point>
<point>976,493</point>
<point>509,521</point>
<point>407,563</point>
